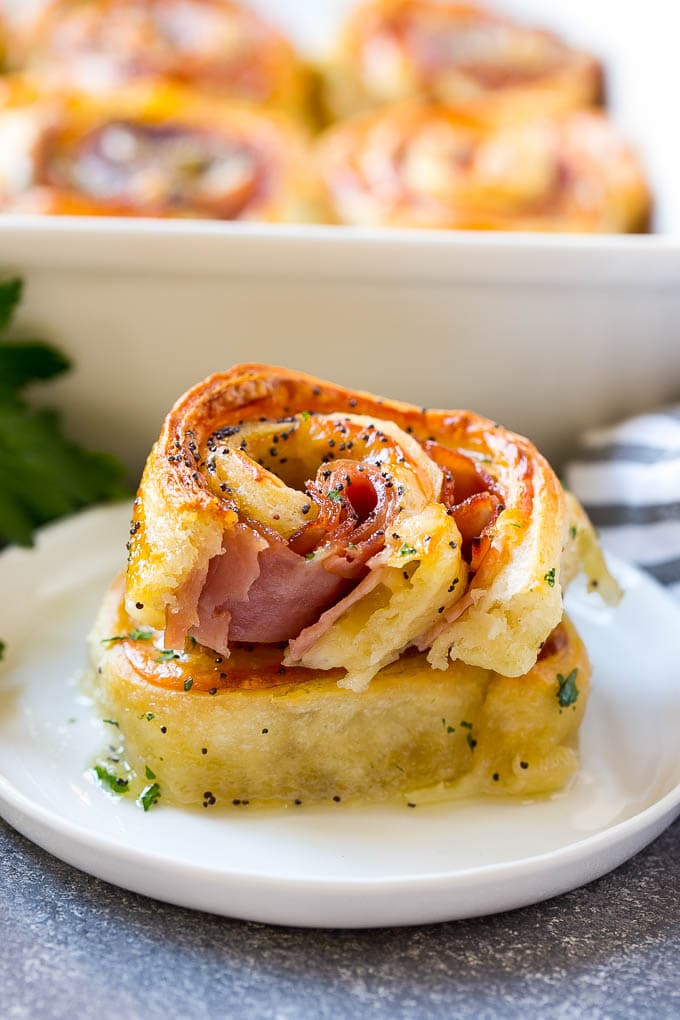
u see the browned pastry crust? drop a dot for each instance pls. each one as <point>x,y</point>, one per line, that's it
<point>151,151</point>
<point>459,54</point>
<point>423,165</point>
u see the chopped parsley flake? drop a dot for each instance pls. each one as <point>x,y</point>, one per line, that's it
<point>140,634</point>
<point>549,577</point>
<point>3,646</point>
<point>334,495</point>
<point>149,796</point>
<point>309,556</point>
<point>573,531</point>
<point>305,415</point>
<point>567,691</point>
<point>166,654</point>
<point>147,715</point>
<point>110,722</point>
<point>110,779</point>
<point>149,773</point>
<point>135,635</point>
<point>188,683</point>
<point>408,550</point>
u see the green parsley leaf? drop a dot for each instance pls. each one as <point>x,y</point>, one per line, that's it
<point>408,550</point>
<point>567,691</point>
<point>166,654</point>
<point>3,649</point>
<point>573,531</point>
<point>149,796</point>
<point>116,637</point>
<point>111,722</point>
<point>148,773</point>
<point>305,415</point>
<point>110,779</point>
<point>43,475</point>
<point>147,715</point>
<point>188,683</point>
<point>334,495</point>
<point>472,743</point>
<point>309,556</point>
<point>466,725</point>
<point>549,577</point>
<point>140,634</point>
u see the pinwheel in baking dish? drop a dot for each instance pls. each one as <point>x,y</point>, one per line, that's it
<point>330,595</point>
<point>421,165</point>
<point>458,54</point>
<point>155,151</point>
<point>214,46</point>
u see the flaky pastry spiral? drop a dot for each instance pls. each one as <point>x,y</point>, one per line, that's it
<point>458,54</point>
<point>276,508</point>
<point>215,46</point>
<point>151,151</point>
<point>421,165</point>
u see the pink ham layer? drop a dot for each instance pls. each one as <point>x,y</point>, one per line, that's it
<point>256,591</point>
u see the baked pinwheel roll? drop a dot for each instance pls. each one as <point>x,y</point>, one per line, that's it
<point>153,152</point>
<point>458,54</point>
<point>419,165</point>
<point>214,46</point>
<point>373,588</point>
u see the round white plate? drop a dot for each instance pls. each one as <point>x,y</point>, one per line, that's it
<point>334,866</point>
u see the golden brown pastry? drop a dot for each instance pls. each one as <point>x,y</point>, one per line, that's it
<point>458,54</point>
<point>214,46</point>
<point>151,151</point>
<point>420,165</point>
<point>308,562</point>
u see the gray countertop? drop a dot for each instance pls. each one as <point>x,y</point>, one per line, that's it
<point>74,947</point>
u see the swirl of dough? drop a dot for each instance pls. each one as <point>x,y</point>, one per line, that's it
<point>151,151</point>
<point>421,165</point>
<point>214,46</point>
<point>457,54</point>
<point>276,508</point>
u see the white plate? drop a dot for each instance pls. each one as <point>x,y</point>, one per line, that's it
<point>328,866</point>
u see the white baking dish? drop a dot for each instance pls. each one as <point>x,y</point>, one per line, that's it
<point>548,334</point>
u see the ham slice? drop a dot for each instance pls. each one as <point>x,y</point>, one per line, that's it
<point>311,635</point>
<point>257,590</point>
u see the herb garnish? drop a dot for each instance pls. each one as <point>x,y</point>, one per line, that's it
<point>305,415</point>
<point>149,796</point>
<point>110,779</point>
<point>111,722</point>
<point>166,654</point>
<point>147,715</point>
<point>149,773</point>
<point>567,691</point>
<point>135,635</point>
<point>43,475</point>
<point>407,550</point>
<point>549,577</point>
<point>3,647</point>
<point>188,683</point>
<point>573,530</point>
<point>334,495</point>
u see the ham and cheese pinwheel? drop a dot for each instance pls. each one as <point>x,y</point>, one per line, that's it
<point>151,152</point>
<point>458,54</point>
<point>276,508</point>
<point>330,595</point>
<point>419,165</point>
<point>214,46</point>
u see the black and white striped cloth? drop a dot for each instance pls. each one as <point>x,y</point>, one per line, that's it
<point>628,479</point>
